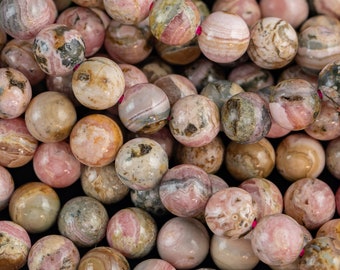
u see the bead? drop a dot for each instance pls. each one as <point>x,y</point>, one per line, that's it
<point>332,157</point>
<point>137,239</point>
<point>6,187</point>
<point>62,4</point>
<point>90,3</point>
<point>330,229</point>
<point>174,22</point>
<point>154,264</point>
<point>217,183</point>
<point>53,252</point>
<point>141,163</point>
<point>3,38</point>
<point>273,43</point>
<point>15,94</point>
<point>34,206</point>
<point>330,8</point>
<point>156,69</point>
<point>224,38</point>
<point>50,117</point>
<point>58,49</point>
<point>95,140</point>
<point>83,220</point>
<point>23,19</point>
<point>132,75</point>
<point>297,72</point>
<point>98,83</point>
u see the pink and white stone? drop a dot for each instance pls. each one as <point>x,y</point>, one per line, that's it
<point>154,264</point>
<point>330,228</point>
<point>132,75</point>
<point>332,157</point>
<point>6,187</point>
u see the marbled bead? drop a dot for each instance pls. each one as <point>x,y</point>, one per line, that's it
<point>89,25</point>
<point>15,244</point>
<point>17,144</point>
<point>273,43</point>
<point>217,183</point>
<point>294,104</point>
<point>155,69</point>
<point>98,83</point>
<point>103,184</point>
<point>83,220</point>
<point>174,22</point>
<point>194,120</point>
<point>50,116</point>
<point>224,37</point>
<point>58,49</point>
<point>101,13</point>
<point>137,239</point>
<point>183,242</point>
<point>144,108</point>
<point>329,8</point>
<point>95,140</point>
<point>245,118</point>
<point>16,93</point>
<point>245,161</point>
<point>103,258</point>
<point>184,190</point>
<point>53,252</point>
<point>320,20</point>
<point>154,264</point>
<point>333,158</point>
<point>330,228</point>
<point>230,212</point>
<point>6,187</point>
<point>55,165</point>
<point>24,19</point>
<point>297,72</point>
<point>34,206</point>
<point>301,152</point>
<point>90,3</point>
<point>18,54</point>
<point>141,163</point>
<point>132,75</point>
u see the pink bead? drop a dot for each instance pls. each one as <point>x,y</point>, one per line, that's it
<point>90,3</point>
<point>132,75</point>
<point>329,7</point>
<point>224,38</point>
<point>6,187</point>
<point>330,229</point>
<point>154,264</point>
<point>333,158</point>
<point>55,165</point>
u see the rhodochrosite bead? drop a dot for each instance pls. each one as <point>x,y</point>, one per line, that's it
<point>224,37</point>
<point>273,43</point>
<point>6,187</point>
<point>23,19</point>
<point>154,264</point>
<point>174,22</point>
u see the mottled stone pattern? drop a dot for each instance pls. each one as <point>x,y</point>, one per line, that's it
<point>332,157</point>
<point>154,264</point>
<point>7,187</point>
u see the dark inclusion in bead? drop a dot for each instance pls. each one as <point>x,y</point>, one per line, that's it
<point>70,53</point>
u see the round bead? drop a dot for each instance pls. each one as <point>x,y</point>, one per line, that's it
<point>58,49</point>
<point>333,158</point>
<point>224,37</point>
<point>95,140</point>
<point>330,8</point>
<point>50,117</point>
<point>98,83</point>
<point>6,187</point>
<point>154,264</point>
<point>3,38</point>
<point>330,229</point>
<point>89,3</point>
<point>132,75</point>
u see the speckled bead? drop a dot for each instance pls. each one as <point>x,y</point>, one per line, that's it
<point>245,118</point>
<point>83,220</point>
<point>15,244</point>
<point>194,120</point>
<point>24,19</point>
<point>154,264</point>
<point>273,43</point>
<point>174,22</point>
<point>50,116</point>
<point>58,49</point>
<point>16,93</point>
<point>6,187</point>
<point>137,239</point>
<point>53,252</point>
<point>224,37</point>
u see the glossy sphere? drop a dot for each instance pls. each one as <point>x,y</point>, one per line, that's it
<point>18,54</point>
<point>294,104</point>
<point>310,202</point>
<point>194,120</point>
<point>135,240</point>
<point>232,253</point>
<point>245,118</point>
<point>174,22</point>
<point>95,140</point>
<point>245,161</point>
<point>185,190</point>
<point>154,264</point>
<point>230,212</point>
<point>144,108</point>
<point>141,163</point>
<point>102,258</point>
<point>50,117</point>
<point>89,3</point>
<point>53,252</point>
<point>103,184</point>
<point>132,75</point>
<point>58,49</point>
<point>24,19</point>
<point>83,220</point>
<point>224,37</point>
<point>273,43</point>
<point>16,93</point>
<point>17,144</point>
<point>333,158</point>
<point>277,239</point>
<point>127,12</point>
<point>297,72</point>
<point>156,69</point>
<point>330,8</point>
<point>6,187</point>
<point>330,229</point>
<point>98,83</point>
<point>89,25</point>
<point>301,152</point>
<point>34,206</point>
<point>266,194</point>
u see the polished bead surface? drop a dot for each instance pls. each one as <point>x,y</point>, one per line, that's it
<point>333,158</point>
<point>6,187</point>
<point>154,264</point>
